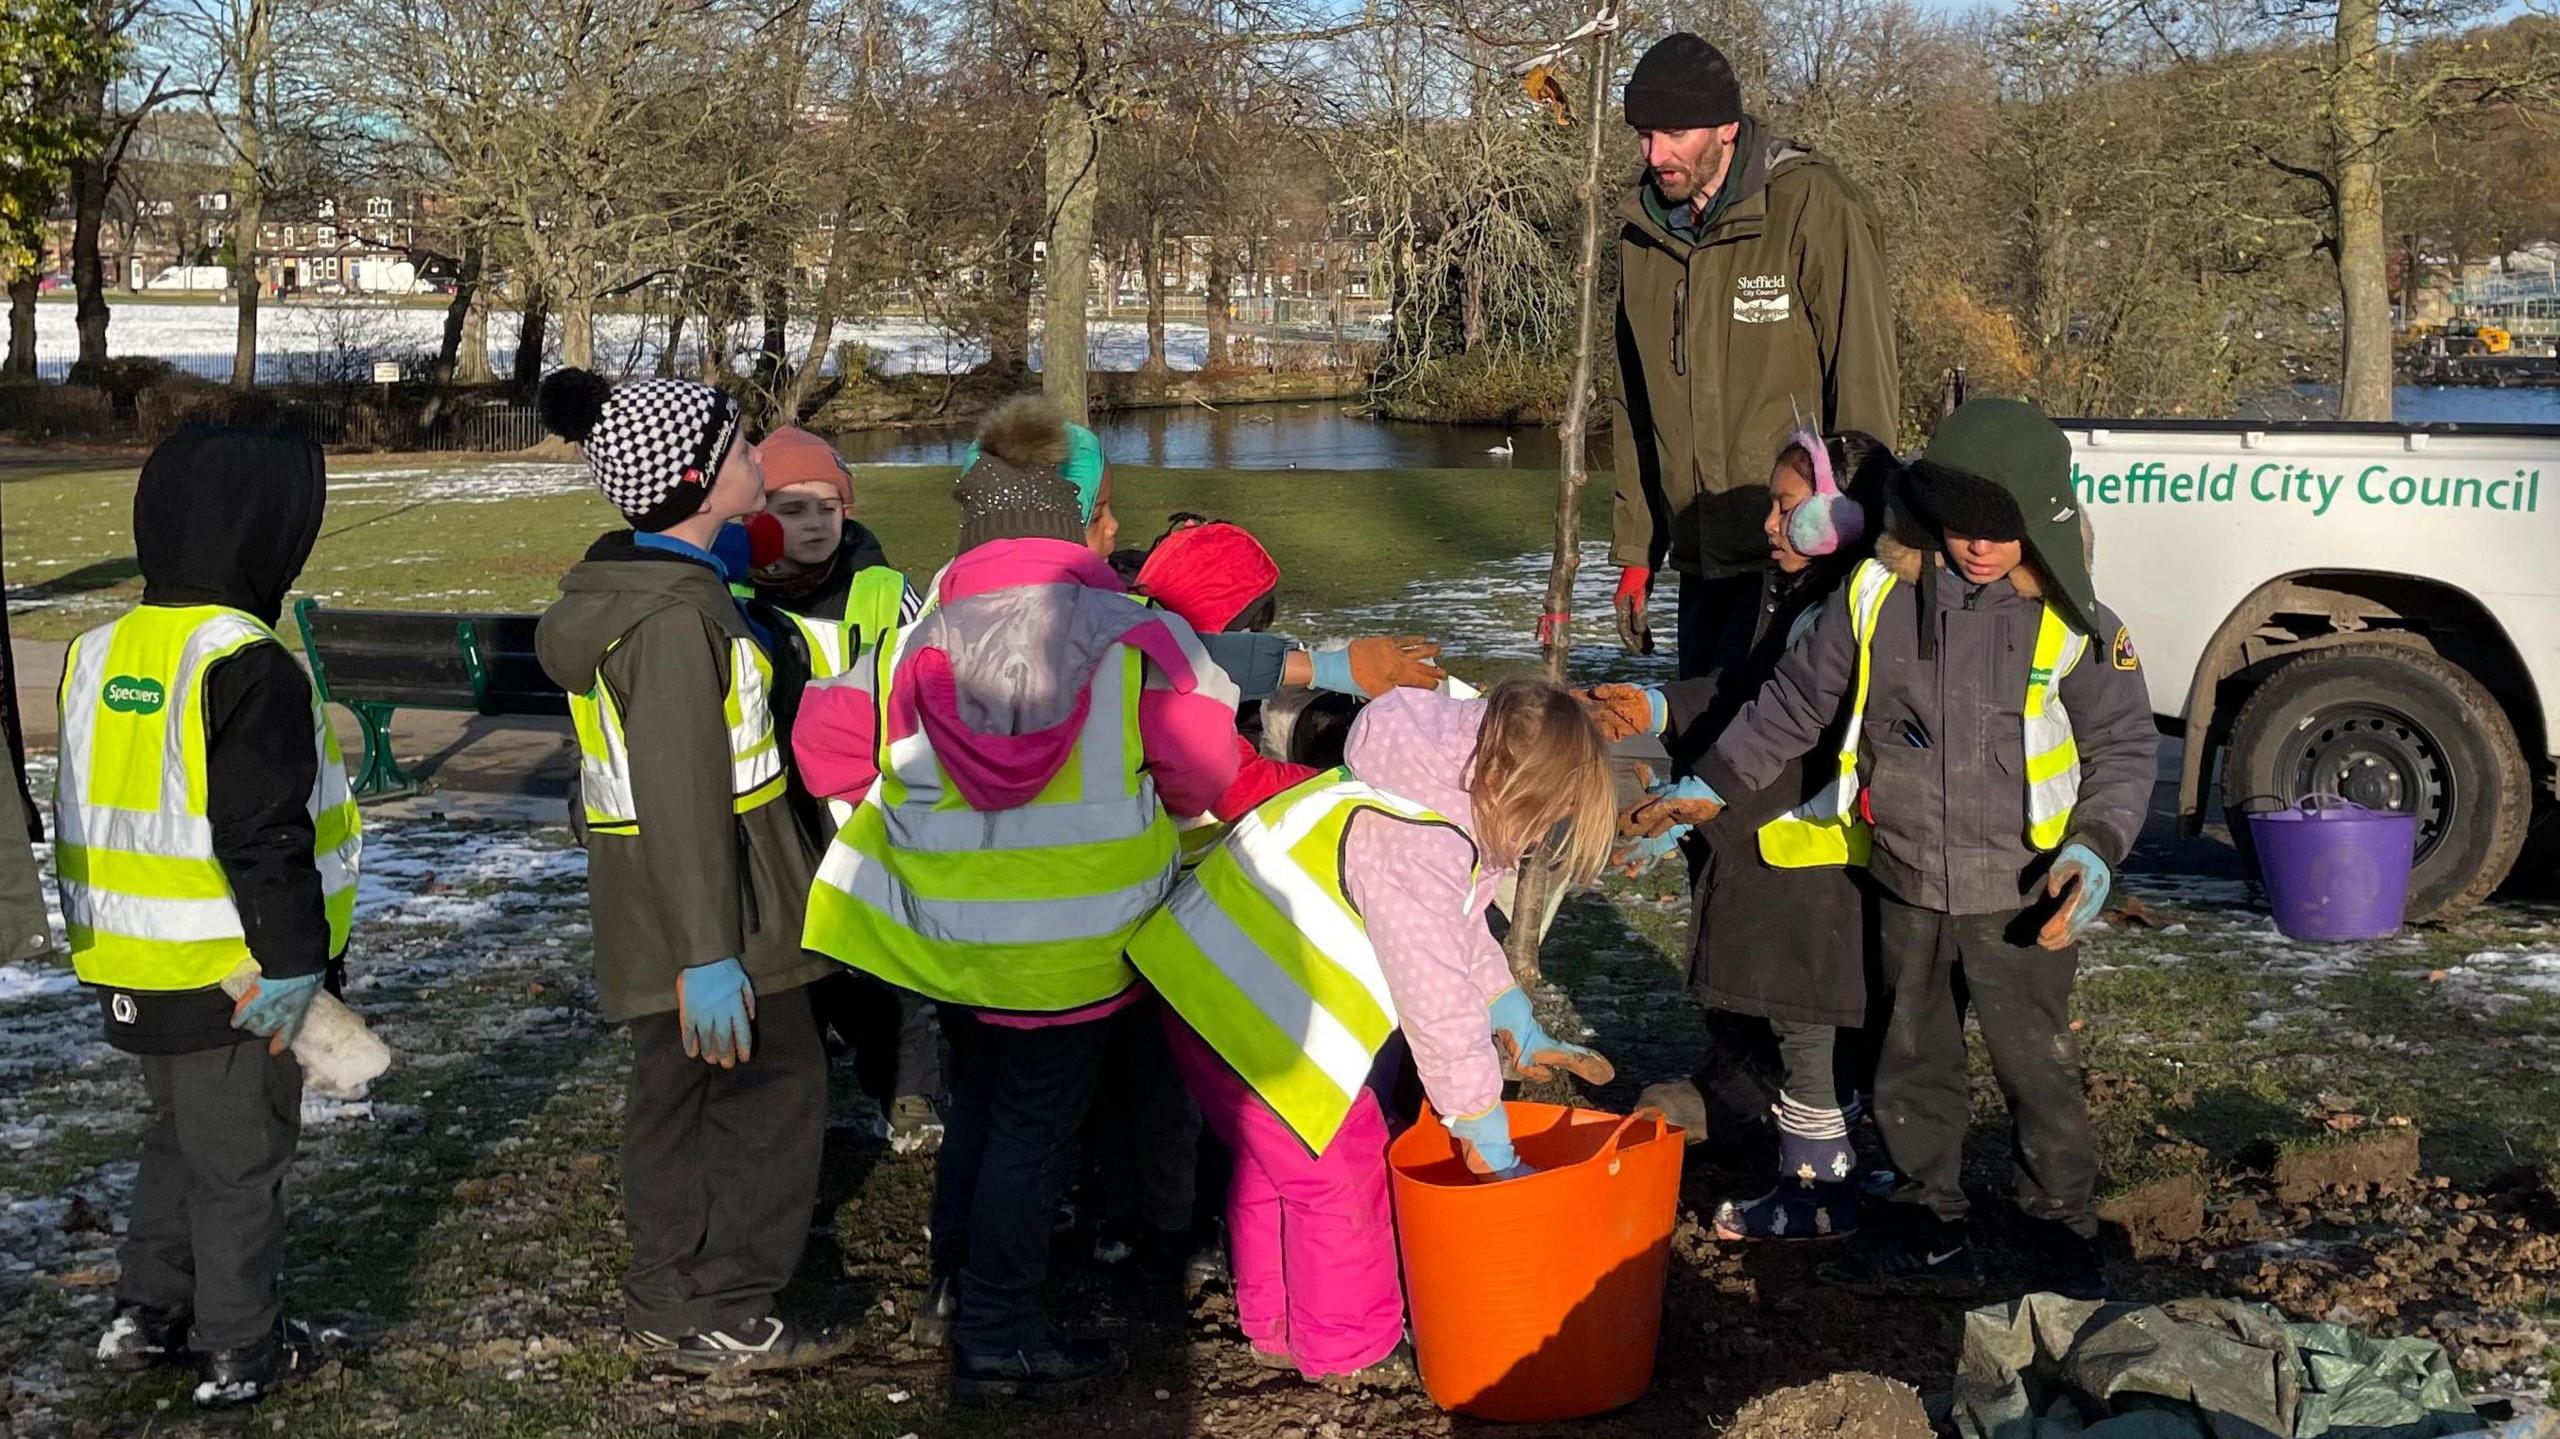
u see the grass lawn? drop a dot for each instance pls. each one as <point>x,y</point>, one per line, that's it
<point>430,535</point>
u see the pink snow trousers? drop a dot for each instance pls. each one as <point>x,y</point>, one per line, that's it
<point>1311,1236</point>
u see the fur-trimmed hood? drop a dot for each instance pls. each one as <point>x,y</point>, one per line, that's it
<point>2027,579</point>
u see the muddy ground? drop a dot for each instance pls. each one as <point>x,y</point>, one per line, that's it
<point>2356,1133</point>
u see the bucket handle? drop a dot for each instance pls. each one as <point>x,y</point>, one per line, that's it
<point>2308,804</point>
<point>1661,1130</point>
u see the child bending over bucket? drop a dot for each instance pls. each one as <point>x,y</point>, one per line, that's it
<point>1336,915</point>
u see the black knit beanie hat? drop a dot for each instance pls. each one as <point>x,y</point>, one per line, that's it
<point>654,447</point>
<point>1683,83</point>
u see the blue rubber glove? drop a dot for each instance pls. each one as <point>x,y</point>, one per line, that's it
<point>1634,857</point>
<point>1528,1048</point>
<point>1657,709</point>
<point>1331,667</point>
<point>276,1007</point>
<point>1484,1141</point>
<point>715,1007</point>
<point>2079,874</point>
<point>1688,801</point>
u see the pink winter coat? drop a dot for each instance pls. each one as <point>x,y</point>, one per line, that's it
<point>999,675</point>
<point>1425,912</point>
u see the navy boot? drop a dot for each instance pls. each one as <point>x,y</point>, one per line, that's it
<point>1816,1197</point>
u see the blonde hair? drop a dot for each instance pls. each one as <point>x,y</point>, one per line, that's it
<point>1540,762</point>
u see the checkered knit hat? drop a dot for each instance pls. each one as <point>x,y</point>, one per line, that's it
<point>652,446</point>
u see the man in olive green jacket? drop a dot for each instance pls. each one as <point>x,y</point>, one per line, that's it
<point>1751,293</point>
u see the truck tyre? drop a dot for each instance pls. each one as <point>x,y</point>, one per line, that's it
<point>2390,727</point>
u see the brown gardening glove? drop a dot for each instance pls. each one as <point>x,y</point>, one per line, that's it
<point>1380,663</point>
<point>1659,814</point>
<point>1621,711</point>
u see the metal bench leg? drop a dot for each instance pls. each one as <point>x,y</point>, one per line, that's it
<point>380,774</point>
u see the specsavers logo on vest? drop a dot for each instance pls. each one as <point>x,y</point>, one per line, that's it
<point>127,695</point>
<point>1761,299</point>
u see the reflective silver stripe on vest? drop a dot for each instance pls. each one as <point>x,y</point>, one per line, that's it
<point>755,750</point>
<point>826,640</point>
<point>991,921</point>
<point>604,781</point>
<point>171,831</point>
<point>1269,989</point>
<point>2049,731</point>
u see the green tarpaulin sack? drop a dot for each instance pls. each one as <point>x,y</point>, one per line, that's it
<point>2046,1367</point>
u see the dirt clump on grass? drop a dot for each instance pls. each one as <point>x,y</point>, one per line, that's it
<point>2373,1163</point>
<point>2159,1216</point>
<point>1843,1406</point>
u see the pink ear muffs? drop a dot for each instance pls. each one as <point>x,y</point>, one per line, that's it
<point>1828,520</point>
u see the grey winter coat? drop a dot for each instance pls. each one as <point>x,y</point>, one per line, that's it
<point>1950,809</point>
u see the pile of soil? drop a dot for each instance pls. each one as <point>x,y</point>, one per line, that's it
<point>1844,1406</point>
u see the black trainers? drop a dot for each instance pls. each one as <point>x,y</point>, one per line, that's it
<point>1060,1371</point>
<point>757,1346</point>
<point>139,1337</point>
<point>1917,1260</point>
<point>931,1328</point>
<point>2070,1264</point>
<point>229,1378</point>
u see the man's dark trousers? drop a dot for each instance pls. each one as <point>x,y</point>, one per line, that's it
<point>720,1170</point>
<point>1937,964</point>
<point>207,1230</point>
<point>1716,620</point>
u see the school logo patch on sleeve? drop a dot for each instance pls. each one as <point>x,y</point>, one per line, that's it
<point>2123,651</point>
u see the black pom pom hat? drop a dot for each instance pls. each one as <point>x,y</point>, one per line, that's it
<point>652,446</point>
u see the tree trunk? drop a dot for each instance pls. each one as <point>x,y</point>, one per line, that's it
<point>666,366</point>
<point>578,330</point>
<point>1471,322</point>
<point>1073,145</point>
<point>773,342</point>
<point>1008,326</point>
<point>90,182</point>
<point>822,324</point>
<point>1152,263</point>
<point>457,317</point>
<point>1219,283</point>
<point>1533,901</point>
<point>471,362</point>
<point>529,340</point>
<point>2364,289</point>
<point>247,199</point>
<point>22,327</point>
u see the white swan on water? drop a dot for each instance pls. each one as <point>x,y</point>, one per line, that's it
<point>1503,449</point>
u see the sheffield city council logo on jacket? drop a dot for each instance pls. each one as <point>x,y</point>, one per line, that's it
<point>127,695</point>
<point>1761,299</point>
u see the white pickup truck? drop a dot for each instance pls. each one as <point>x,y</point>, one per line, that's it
<point>2368,610</point>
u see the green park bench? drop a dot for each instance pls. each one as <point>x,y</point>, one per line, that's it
<point>377,662</point>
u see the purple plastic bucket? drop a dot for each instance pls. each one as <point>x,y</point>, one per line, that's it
<point>2335,870</point>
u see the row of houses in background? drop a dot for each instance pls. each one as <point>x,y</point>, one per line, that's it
<point>363,242</point>
<point>170,226</point>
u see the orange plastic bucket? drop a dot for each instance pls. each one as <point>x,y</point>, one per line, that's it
<point>1539,1298</point>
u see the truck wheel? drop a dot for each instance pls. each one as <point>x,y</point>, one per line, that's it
<point>2390,727</point>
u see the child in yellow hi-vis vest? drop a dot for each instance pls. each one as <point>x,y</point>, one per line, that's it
<point>202,820</point>
<point>1999,741</point>
<point>697,877</point>
<point>827,576</point>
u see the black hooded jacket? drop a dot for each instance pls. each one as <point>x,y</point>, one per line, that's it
<point>228,517</point>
